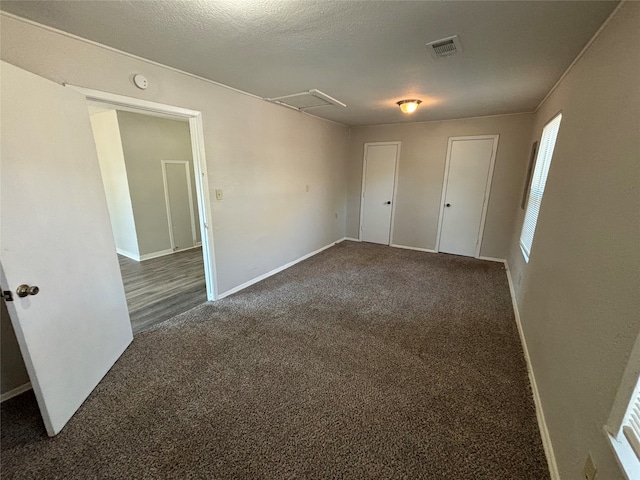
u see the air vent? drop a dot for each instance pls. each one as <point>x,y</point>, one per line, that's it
<point>303,101</point>
<point>445,47</point>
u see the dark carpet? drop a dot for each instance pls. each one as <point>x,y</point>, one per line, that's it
<point>361,362</point>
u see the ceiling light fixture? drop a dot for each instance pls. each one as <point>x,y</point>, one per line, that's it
<point>409,106</point>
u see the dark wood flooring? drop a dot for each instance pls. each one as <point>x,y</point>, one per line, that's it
<point>163,287</point>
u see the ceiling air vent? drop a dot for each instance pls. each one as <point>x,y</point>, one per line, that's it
<point>303,101</point>
<point>444,47</point>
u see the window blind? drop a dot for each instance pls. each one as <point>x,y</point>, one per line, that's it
<point>538,182</point>
<point>631,422</point>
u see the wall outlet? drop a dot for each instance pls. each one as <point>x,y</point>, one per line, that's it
<point>218,194</point>
<point>589,472</point>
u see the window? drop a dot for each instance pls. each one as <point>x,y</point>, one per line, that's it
<point>626,441</point>
<point>543,162</point>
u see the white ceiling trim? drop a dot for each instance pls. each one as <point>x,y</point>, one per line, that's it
<point>445,120</point>
<point>151,62</point>
<point>581,54</point>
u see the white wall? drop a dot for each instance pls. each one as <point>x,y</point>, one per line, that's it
<point>261,155</point>
<point>579,296</point>
<point>421,172</point>
<point>106,134</point>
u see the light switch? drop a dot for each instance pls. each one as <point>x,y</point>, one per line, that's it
<point>307,187</point>
<point>218,194</point>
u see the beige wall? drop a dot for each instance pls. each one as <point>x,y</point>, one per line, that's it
<point>421,172</point>
<point>106,134</point>
<point>579,296</point>
<point>261,155</point>
<point>146,141</point>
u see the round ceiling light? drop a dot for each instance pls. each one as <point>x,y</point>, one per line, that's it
<point>409,106</point>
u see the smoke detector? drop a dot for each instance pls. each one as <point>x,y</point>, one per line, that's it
<point>445,47</point>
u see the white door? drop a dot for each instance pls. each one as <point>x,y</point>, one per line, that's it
<point>179,199</point>
<point>466,188</point>
<point>56,235</point>
<point>378,185</point>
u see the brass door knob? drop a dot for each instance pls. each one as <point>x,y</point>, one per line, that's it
<point>24,290</point>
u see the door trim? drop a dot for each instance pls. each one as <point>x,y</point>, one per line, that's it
<point>395,186</point>
<point>487,188</point>
<point>168,204</point>
<point>196,131</point>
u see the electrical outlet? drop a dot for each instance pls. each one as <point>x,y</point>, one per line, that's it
<point>218,194</point>
<point>589,472</point>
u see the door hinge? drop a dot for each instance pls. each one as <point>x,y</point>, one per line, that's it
<point>7,295</point>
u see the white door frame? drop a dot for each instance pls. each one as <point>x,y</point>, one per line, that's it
<point>395,186</point>
<point>199,164</point>
<point>487,189</point>
<point>168,204</point>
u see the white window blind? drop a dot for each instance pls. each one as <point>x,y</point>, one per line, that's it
<point>631,422</point>
<point>538,182</point>
<point>626,439</point>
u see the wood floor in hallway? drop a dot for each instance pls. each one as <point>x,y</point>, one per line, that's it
<point>163,287</point>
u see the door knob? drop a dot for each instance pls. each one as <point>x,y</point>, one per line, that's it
<point>387,203</point>
<point>24,290</point>
<point>448,205</point>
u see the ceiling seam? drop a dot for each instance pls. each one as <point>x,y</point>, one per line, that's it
<point>146,60</point>
<point>580,55</point>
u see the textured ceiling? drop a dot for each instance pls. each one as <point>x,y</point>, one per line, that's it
<point>367,54</point>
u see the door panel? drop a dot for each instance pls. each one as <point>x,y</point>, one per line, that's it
<point>56,234</point>
<point>468,177</point>
<point>378,185</point>
<point>179,204</point>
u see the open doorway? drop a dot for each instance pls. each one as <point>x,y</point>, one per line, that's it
<point>149,176</point>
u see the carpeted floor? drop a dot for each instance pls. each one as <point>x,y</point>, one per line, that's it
<point>361,362</point>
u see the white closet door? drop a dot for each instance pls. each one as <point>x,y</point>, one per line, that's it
<point>177,184</point>
<point>470,166</point>
<point>380,165</point>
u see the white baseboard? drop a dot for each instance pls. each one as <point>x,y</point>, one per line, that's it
<point>351,239</point>
<point>168,251</point>
<point>277,270</point>
<point>160,253</point>
<point>130,255</point>
<point>15,392</point>
<point>428,250</point>
<point>493,259</point>
<point>542,424</point>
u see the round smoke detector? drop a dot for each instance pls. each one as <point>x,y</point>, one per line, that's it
<point>140,81</point>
